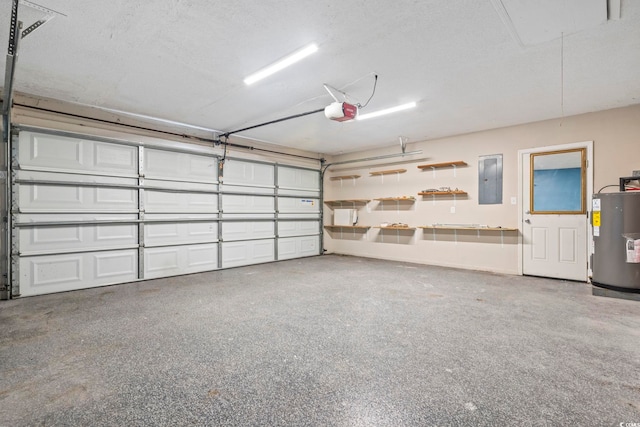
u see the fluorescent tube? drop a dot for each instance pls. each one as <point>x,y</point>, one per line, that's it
<point>386,111</point>
<point>282,64</point>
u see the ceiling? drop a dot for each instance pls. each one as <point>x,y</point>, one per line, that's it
<point>469,64</point>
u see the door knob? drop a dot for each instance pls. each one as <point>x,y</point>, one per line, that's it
<point>528,221</point>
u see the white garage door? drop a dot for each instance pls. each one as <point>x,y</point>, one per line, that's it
<point>89,212</point>
<point>298,212</point>
<point>269,212</point>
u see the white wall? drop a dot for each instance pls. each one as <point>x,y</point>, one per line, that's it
<point>616,136</point>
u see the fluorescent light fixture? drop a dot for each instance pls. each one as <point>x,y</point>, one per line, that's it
<point>386,111</point>
<point>282,64</point>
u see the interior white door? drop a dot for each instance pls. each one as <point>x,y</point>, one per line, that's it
<point>554,217</point>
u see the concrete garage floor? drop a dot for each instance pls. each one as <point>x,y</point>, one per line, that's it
<point>324,341</point>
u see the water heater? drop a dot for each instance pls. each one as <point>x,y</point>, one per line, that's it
<point>616,241</point>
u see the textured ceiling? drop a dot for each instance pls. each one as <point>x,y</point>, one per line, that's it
<point>184,60</point>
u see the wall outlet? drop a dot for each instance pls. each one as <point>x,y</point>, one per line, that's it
<point>453,209</point>
<point>514,200</point>
<point>636,173</point>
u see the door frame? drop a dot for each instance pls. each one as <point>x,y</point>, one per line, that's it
<point>588,145</point>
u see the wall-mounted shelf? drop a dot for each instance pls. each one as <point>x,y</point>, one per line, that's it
<point>465,228</point>
<point>350,201</point>
<point>349,232</point>
<point>396,199</point>
<point>356,227</point>
<point>391,227</point>
<point>443,193</point>
<point>452,227</point>
<point>387,172</point>
<point>336,178</point>
<point>442,165</point>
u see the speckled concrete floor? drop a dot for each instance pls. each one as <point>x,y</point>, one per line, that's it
<point>324,341</point>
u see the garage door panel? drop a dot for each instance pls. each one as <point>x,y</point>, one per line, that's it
<point>250,216</point>
<point>235,254</point>
<point>33,240</point>
<point>248,204</point>
<point>110,157</point>
<point>174,260</point>
<point>58,273</point>
<point>180,185</point>
<point>49,217</point>
<point>59,153</point>
<point>202,257</point>
<point>298,181</point>
<point>53,198</point>
<point>298,205</point>
<point>55,270</point>
<point>162,201</point>
<point>248,173</point>
<point>248,230</point>
<point>298,228</point>
<point>160,261</point>
<point>67,178</point>
<point>52,195</point>
<point>180,166</point>
<point>299,193</point>
<point>180,216</point>
<point>62,236</point>
<point>180,233</point>
<point>115,264</point>
<point>309,216</point>
<point>116,234</point>
<point>248,189</point>
<point>296,247</point>
<point>115,195</point>
<point>47,150</point>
